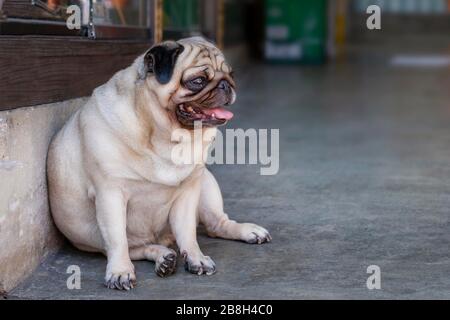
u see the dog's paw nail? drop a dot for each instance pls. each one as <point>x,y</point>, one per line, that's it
<point>167,265</point>
<point>170,257</point>
<point>120,281</point>
<point>255,234</point>
<point>204,265</point>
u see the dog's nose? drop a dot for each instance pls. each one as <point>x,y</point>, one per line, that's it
<point>224,85</point>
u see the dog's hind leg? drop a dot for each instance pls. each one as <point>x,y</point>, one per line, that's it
<point>165,259</point>
<point>216,221</point>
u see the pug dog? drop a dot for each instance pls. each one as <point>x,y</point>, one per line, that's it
<point>113,185</point>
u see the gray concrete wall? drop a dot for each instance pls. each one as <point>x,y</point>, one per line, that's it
<point>27,233</point>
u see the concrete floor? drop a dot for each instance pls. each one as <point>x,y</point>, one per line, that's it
<point>364,179</point>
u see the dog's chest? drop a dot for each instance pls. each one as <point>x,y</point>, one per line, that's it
<point>148,209</point>
<point>169,174</point>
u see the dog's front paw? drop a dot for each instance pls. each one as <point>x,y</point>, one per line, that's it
<point>120,278</point>
<point>199,264</point>
<point>166,264</point>
<point>252,233</point>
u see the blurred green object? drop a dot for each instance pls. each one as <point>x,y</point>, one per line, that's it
<point>296,31</point>
<point>182,15</point>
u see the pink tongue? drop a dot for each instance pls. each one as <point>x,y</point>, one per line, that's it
<point>219,112</point>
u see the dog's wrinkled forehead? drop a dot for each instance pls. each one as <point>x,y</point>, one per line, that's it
<point>169,59</point>
<point>199,52</point>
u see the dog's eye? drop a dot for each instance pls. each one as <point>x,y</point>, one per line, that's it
<point>198,81</point>
<point>197,84</point>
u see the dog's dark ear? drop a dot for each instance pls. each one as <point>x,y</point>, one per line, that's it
<point>160,60</point>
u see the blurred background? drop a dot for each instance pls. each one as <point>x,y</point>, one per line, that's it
<point>364,162</point>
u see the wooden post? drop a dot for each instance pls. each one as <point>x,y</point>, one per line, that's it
<point>341,22</point>
<point>220,25</point>
<point>156,20</point>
